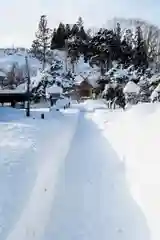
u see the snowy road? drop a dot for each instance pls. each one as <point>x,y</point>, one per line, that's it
<point>80,191</point>
<point>92,200</point>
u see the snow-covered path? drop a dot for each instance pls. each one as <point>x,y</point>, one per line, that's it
<point>34,214</point>
<point>92,200</point>
<point>75,186</point>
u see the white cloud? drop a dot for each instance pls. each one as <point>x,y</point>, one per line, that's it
<point>19,18</point>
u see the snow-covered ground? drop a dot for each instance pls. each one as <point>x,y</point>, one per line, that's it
<point>93,200</point>
<point>135,136</point>
<point>31,154</point>
<point>81,173</point>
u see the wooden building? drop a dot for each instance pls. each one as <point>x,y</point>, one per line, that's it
<point>13,97</point>
<point>85,89</point>
<point>82,90</point>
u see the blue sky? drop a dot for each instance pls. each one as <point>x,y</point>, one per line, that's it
<point>19,18</point>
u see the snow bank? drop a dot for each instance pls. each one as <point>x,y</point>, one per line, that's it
<point>62,102</point>
<point>3,74</point>
<point>135,135</point>
<point>19,142</point>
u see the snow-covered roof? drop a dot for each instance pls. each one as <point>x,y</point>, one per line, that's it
<point>131,87</point>
<point>22,87</point>
<point>11,91</point>
<point>54,90</point>
<point>78,79</point>
<point>2,74</point>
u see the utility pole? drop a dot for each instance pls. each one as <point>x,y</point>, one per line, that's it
<point>28,87</point>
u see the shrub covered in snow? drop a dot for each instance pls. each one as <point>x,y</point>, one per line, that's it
<point>131,92</point>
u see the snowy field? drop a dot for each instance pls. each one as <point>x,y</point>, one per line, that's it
<point>82,173</point>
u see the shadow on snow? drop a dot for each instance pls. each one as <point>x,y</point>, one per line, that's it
<point>93,200</point>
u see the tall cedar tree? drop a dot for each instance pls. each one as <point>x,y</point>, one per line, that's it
<point>75,30</point>
<point>118,31</point>
<point>140,56</point>
<point>53,39</point>
<point>58,38</point>
<point>41,45</point>
<point>68,30</point>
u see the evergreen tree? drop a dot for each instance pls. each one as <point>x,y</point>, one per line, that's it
<point>75,30</point>
<point>60,36</point>
<point>35,49</point>
<point>126,56</point>
<point>53,39</point>
<point>128,37</point>
<point>118,31</point>
<point>41,45</point>
<point>82,34</point>
<point>89,33</point>
<point>68,31</point>
<point>140,55</point>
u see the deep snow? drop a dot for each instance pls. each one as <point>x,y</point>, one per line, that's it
<point>92,199</point>
<point>82,173</point>
<point>28,147</point>
<point>135,136</point>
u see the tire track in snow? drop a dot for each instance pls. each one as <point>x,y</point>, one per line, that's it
<point>34,218</point>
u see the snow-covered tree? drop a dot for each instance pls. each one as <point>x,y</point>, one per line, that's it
<point>118,31</point>
<point>140,51</point>
<point>58,40</point>
<point>67,31</point>
<point>41,45</point>
<point>80,22</point>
